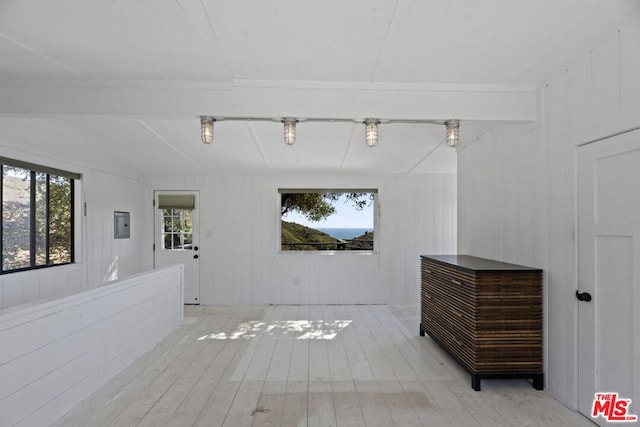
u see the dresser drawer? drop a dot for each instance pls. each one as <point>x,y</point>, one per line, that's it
<point>456,319</point>
<point>461,347</point>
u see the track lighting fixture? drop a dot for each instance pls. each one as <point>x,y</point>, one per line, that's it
<point>206,129</point>
<point>453,132</point>
<point>289,130</point>
<point>371,127</point>
<point>371,132</point>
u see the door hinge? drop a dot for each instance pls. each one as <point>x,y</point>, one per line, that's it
<point>154,202</point>
<point>154,247</point>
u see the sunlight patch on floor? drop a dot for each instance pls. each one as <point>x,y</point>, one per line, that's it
<point>297,329</point>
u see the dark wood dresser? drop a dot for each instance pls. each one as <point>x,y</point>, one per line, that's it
<point>486,314</point>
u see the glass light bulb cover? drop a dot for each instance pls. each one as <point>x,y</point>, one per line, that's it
<point>206,130</point>
<point>453,132</point>
<point>289,132</point>
<point>371,132</point>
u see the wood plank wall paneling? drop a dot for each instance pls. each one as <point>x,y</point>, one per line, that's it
<point>58,352</point>
<point>100,257</point>
<point>240,259</point>
<point>516,183</point>
<point>629,71</point>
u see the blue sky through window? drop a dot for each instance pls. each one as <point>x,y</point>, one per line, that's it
<point>346,216</point>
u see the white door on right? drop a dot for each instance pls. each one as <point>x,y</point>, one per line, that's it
<point>609,278</point>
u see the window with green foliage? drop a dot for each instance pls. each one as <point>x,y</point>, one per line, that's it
<point>37,216</point>
<point>177,229</point>
<point>327,220</point>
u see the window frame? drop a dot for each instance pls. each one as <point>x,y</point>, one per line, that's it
<point>354,252</point>
<point>34,170</point>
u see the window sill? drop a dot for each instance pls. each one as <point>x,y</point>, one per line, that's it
<point>328,253</point>
<point>40,269</point>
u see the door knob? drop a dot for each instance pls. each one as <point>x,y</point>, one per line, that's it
<point>195,256</point>
<point>583,296</point>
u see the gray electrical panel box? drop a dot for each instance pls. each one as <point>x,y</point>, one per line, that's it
<point>121,227</point>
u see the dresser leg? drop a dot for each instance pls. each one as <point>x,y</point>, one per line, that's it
<point>421,331</point>
<point>538,382</point>
<point>475,382</point>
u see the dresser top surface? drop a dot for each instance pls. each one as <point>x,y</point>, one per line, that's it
<point>472,263</point>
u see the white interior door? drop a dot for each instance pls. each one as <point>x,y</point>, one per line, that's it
<point>609,271</point>
<point>176,237</point>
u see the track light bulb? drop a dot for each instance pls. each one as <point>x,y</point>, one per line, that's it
<point>289,131</point>
<point>453,132</point>
<point>206,129</point>
<point>371,130</point>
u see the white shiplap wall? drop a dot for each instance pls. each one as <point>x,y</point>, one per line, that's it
<point>240,261</point>
<point>108,258</point>
<point>57,352</point>
<point>100,258</point>
<point>516,183</point>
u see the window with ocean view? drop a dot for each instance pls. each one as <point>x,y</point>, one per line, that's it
<point>327,220</point>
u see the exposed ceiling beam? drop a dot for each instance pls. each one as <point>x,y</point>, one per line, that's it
<point>274,99</point>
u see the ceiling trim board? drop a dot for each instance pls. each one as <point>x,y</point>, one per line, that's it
<point>219,43</point>
<point>384,43</point>
<point>391,86</point>
<point>258,143</point>
<point>43,56</point>
<point>425,157</point>
<point>164,141</point>
<point>201,22</point>
<point>348,147</point>
<point>103,154</point>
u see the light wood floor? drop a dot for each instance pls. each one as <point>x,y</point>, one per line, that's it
<point>308,366</point>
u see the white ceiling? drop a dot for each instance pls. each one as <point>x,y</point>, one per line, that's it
<point>126,81</point>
